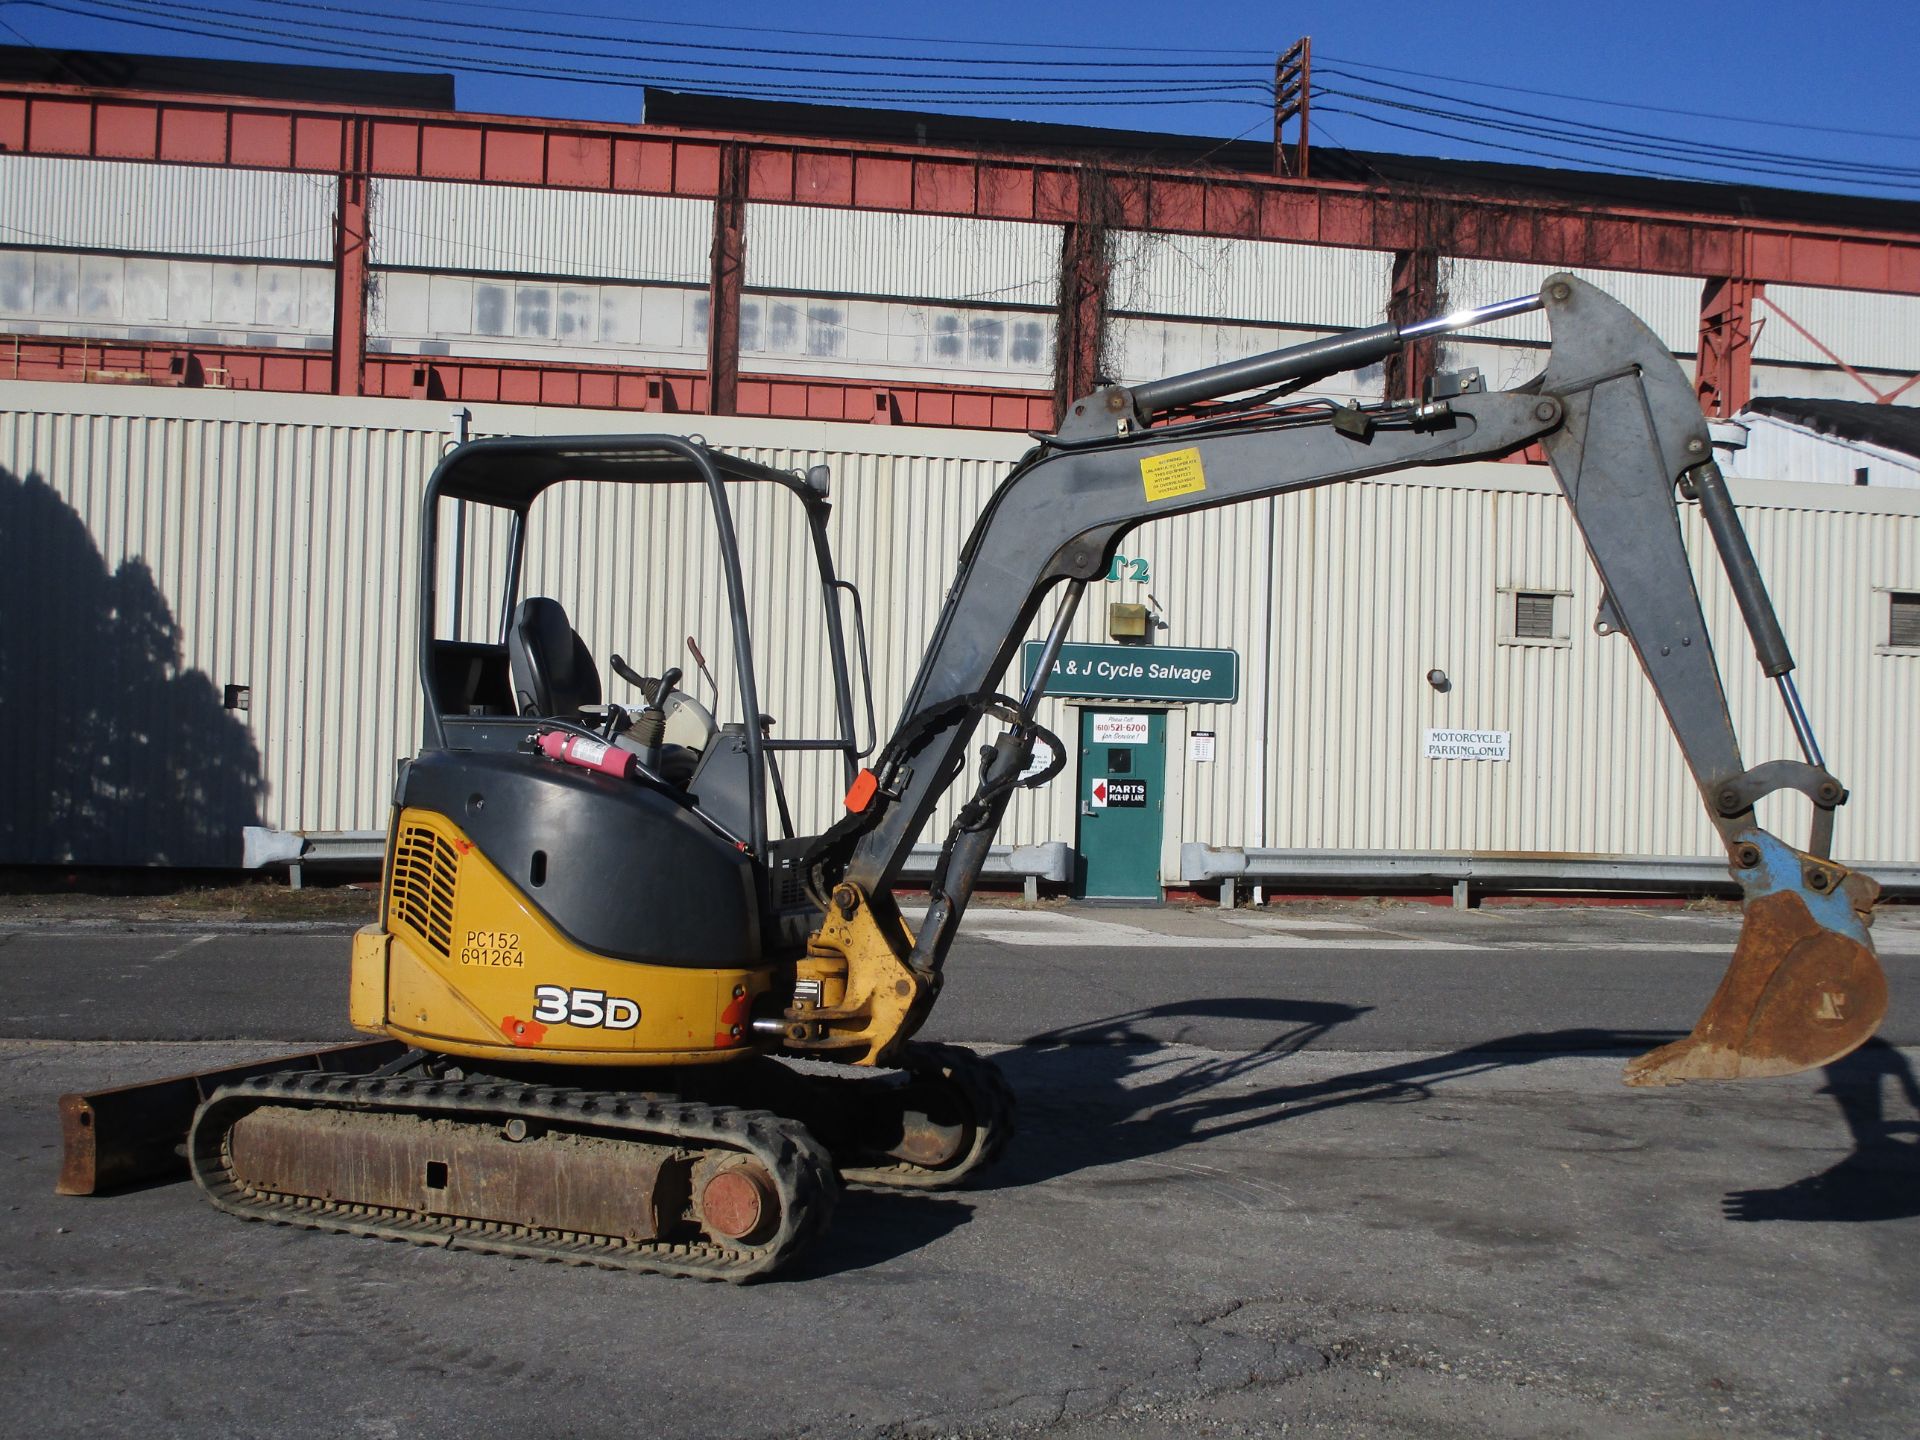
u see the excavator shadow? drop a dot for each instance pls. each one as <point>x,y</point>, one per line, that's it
<point>1880,1180</point>
<point>874,1227</point>
<point>1118,1089</point>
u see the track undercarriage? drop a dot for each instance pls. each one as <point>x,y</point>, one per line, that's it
<point>729,1175</point>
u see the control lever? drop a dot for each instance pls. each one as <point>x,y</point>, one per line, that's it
<point>650,730</point>
<point>700,663</point>
<point>627,673</point>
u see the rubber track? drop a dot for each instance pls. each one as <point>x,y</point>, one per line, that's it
<point>800,1167</point>
<point>987,1093</point>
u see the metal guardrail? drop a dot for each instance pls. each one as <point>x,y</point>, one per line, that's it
<point>1463,871</point>
<point>1466,871</point>
<point>264,847</point>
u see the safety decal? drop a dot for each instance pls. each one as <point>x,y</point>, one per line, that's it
<point>1178,472</point>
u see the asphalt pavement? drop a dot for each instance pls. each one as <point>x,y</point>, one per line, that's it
<point>1347,977</point>
<point>1331,1170</point>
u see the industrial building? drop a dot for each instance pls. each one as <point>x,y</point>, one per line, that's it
<point>239,329</point>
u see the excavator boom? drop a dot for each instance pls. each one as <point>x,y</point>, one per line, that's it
<point>1623,431</point>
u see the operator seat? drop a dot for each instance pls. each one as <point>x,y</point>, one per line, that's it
<point>553,673</point>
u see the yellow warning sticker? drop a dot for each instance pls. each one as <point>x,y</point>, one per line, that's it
<point>1178,472</point>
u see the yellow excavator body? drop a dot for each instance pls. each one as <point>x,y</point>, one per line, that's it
<point>462,964</point>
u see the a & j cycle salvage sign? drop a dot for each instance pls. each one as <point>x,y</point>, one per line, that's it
<point>1137,672</point>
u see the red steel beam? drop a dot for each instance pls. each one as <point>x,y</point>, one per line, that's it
<point>1085,270</point>
<point>66,120</point>
<point>685,392</point>
<point>1723,374</point>
<point>49,357</point>
<point>727,277</point>
<point>351,242</point>
<point>439,377</point>
<point>1415,295</point>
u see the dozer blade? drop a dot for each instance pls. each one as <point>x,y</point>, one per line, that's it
<point>1804,987</point>
<point>114,1138</point>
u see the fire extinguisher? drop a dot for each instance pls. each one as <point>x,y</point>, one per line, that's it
<point>588,754</point>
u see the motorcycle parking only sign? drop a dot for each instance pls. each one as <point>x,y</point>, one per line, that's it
<point>1469,745</point>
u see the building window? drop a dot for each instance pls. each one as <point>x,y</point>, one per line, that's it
<point>1029,343</point>
<point>533,312</point>
<point>986,336</point>
<point>575,314</point>
<point>1534,617</point>
<point>1903,620</point>
<point>490,304</point>
<point>783,328</point>
<point>825,332</point>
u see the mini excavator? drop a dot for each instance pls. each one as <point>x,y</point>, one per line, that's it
<point>626,1023</point>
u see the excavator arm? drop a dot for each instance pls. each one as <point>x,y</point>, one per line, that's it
<point>1623,431</point>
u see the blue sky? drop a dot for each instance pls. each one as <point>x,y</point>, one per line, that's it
<point>1835,81</point>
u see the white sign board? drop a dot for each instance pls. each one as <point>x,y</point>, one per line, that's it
<point>1200,747</point>
<point>1469,745</point>
<point>1097,796</point>
<point>1121,729</point>
<point>1042,758</point>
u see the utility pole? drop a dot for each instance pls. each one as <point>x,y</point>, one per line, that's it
<point>1292,87</point>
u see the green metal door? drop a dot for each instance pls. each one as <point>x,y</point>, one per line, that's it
<point>1122,778</point>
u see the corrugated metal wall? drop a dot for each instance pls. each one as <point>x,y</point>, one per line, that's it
<point>166,209</point>
<point>1828,382</point>
<point>1670,304</point>
<point>279,534</point>
<point>1780,450</point>
<point>166,557</point>
<point>519,230</point>
<point>1205,277</point>
<point>817,250</point>
<point>1880,332</point>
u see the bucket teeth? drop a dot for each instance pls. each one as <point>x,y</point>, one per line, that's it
<point>1797,995</point>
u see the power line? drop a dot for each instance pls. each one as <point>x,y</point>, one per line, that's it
<point>1472,140</point>
<point>1202,92</point>
<point>1658,148</point>
<point>312,29</point>
<point>298,43</point>
<point>1562,157</point>
<point>1266,56</point>
<point>1612,131</point>
<point>603,37</point>
<point>704,67</point>
<point>1796,125</point>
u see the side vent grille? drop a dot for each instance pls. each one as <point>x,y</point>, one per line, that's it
<point>1903,627</point>
<point>424,866</point>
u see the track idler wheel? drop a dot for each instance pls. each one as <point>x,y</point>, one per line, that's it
<point>1804,987</point>
<point>735,1200</point>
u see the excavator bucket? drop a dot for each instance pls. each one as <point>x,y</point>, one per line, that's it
<point>1804,987</point>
